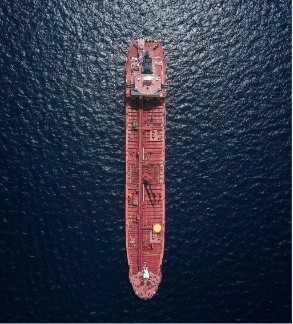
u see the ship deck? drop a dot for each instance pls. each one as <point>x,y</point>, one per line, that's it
<point>145,169</point>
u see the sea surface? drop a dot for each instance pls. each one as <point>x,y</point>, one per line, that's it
<point>228,160</point>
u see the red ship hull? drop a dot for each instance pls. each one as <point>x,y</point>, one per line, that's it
<point>145,92</point>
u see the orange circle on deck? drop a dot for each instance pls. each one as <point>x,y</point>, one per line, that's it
<point>157,228</point>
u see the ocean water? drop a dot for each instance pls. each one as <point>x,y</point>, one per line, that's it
<point>228,166</point>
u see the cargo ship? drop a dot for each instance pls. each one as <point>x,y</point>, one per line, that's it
<point>145,105</point>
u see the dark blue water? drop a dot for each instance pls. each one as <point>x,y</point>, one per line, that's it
<point>228,169</point>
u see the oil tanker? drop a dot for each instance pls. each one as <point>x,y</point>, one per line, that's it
<point>145,105</point>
